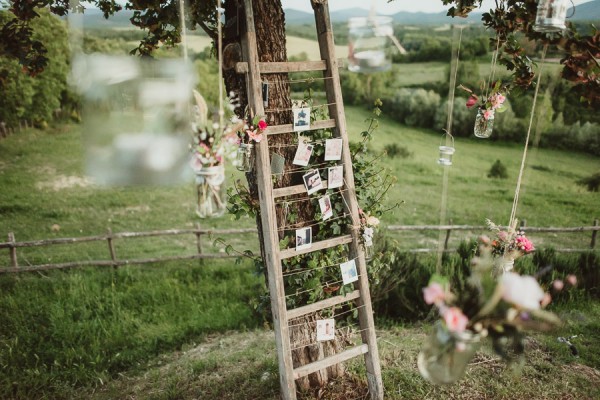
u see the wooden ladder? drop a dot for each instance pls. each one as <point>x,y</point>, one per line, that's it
<point>267,196</point>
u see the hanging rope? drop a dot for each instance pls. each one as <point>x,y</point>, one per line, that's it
<point>220,55</point>
<point>183,29</point>
<point>513,212</point>
<point>444,201</point>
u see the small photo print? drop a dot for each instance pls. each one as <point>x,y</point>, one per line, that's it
<point>349,273</point>
<point>326,209</point>
<point>312,181</point>
<point>303,238</point>
<point>333,149</point>
<point>325,329</point>
<point>301,119</point>
<point>335,177</point>
<point>303,154</point>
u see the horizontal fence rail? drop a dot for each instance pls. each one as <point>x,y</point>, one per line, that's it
<point>12,245</point>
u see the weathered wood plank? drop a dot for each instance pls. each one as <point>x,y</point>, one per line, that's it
<point>283,67</point>
<point>323,244</point>
<point>332,301</point>
<point>13,250</point>
<point>329,361</point>
<point>289,128</point>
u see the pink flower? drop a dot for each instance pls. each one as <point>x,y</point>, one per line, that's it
<point>456,321</point>
<point>546,300</point>
<point>472,101</point>
<point>488,114</point>
<point>572,279</point>
<point>524,244</point>
<point>262,125</point>
<point>254,135</point>
<point>558,285</point>
<point>497,100</point>
<point>434,293</point>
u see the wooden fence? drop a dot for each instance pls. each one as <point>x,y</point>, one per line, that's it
<point>12,245</point>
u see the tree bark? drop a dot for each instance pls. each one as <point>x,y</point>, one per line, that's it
<point>270,31</point>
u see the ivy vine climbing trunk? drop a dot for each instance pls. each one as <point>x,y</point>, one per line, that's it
<point>270,32</point>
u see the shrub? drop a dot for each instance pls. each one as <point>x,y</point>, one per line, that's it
<point>394,150</point>
<point>592,182</point>
<point>498,170</point>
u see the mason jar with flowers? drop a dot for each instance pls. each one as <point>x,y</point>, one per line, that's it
<point>487,106</point>
<point>368,224</point>
<point>212,145</point>
<point>251,133</point>
<point>507,245</point>
<point>501,310</point>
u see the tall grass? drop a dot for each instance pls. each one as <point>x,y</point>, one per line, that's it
<point>83,327</point>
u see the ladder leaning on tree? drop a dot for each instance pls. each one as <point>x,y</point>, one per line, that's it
<point>267,196</point>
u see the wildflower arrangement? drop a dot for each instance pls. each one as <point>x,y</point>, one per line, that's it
<point>368,224</point>
<point>502,309</point>
<point>253,130</point>
<point>489,105</point>
<point>212,143</point>
<point>510,243</point>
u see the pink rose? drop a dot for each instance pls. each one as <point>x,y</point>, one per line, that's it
<point>472,101</point>
<point>497,100</point>
<point>572,279</point>
<point>488,114</point>
<point>262,125</point>
<point>456,321</point>
<point>434,293</point>
<point>524,244</point>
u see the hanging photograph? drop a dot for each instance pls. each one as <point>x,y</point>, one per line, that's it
<point>303,154</point>
<point>303,238</point>
<point>333,149</point>
<point>325,329</point>
<point>312,181</point>
<point>301,119</point>
<point>326,209</point>
<point>335,177</point>
<point>349,273</point>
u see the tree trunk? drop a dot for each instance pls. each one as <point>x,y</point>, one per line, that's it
<point>270,33</point>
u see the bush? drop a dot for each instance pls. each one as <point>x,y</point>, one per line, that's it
<point>414,107</point>
<point>592,182</point>
<point>498,170</point>
<point>394,150</point>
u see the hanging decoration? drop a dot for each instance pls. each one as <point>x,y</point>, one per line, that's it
<point>368,224</point>
<point>368,41</point>
<point>446,152</point>
<point>551,16</point>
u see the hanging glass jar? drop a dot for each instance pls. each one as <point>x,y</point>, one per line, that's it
<point>446,152</point>
<point>369,251</point>
<point>551,15</point>
<point>210,185</point>
<point>368,42</point>
<point>245,157</point>
<point>484,123</point>
<point>445,355</point>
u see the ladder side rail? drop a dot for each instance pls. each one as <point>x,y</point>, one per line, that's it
<point>336,111</point>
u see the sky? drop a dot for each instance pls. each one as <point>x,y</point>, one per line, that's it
<point>383,7</point>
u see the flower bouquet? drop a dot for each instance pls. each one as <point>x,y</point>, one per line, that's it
<point>212,145</point>
<point>487,107</point>
<point>501,309</point>
<point>507,246</point>
<point>368,224</point>
<point>251,133</point>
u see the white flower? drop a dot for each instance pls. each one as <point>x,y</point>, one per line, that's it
<point>522,291</point>
<point>372,221</point>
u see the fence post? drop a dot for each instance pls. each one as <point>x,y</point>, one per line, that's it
<point>594,233</point>
<point>13,250</point>
<point>522,225</point>
<point>447,236</point>
<point>198,239</point>
<point>111,247</point>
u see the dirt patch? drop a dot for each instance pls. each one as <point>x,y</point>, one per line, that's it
<point>62,182</point>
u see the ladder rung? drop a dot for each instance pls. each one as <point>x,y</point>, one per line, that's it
<point>329,361</point>
<point>292,190</point>
<point>289,128</point>
<point>283,67</point>
<point>333,301</point>
<point>323,244</point>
